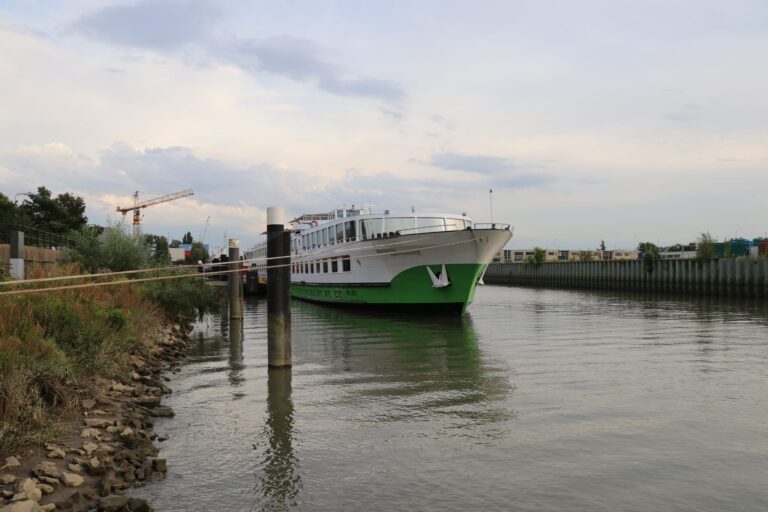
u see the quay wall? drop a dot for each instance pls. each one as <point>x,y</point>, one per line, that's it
<point>734,277</point>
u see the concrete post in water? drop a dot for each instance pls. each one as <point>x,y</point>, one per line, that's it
<point>17,254</point>
<point>235,280</point>
<point>278,290</point>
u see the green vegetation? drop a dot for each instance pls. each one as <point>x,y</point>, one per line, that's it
<point>110,249</point>
<point>586,256</point>
<point>705,246</point>
<point>650,255</point>
<point>538,257</point>
<point>61,214</point>
<point>54,346</point>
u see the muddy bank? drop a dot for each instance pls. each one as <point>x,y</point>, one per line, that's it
<point>109,449</point>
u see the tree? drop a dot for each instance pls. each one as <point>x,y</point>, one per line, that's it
<point>705,246</point>
<point>602,245</point>
<point>10,212</point>
<point>197,253</point>
<point>175,244</point>
<point>114,250</point>
<point>538,257</point>
<point>187,239</point>
<point>60,214</point>
<point>650,255</point>
<point>161,250</point>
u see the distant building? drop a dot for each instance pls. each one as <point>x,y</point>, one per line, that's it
<point>677,255</point>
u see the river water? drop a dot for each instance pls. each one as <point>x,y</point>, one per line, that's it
<point>536,400</point>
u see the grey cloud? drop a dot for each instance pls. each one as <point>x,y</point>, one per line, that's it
<point>473,163</point>
<point>168,25</point>
<point>499,171</point>
<point>157,25</point>
<point>301,59</point>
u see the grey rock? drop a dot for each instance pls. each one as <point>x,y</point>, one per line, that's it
<point>76,468</point>
<point>72,479</point>
<point>88,432</point>
<point>7,479</point>
<point>46,489</point>
<point>163,412</point>
<point>26,485</point>
<point>90,447</point>
<point>50,507</point>
<point>57,453</point>
<point>139,505</point>
<point>22,506</point>
<point>113,503</point>
<point>159,465</point>
<point>46,468</point>
<point>11,462</point>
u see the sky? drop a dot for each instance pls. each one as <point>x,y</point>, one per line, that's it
<point>615,120</point>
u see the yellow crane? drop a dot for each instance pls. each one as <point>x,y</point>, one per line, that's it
<point>137,206</point>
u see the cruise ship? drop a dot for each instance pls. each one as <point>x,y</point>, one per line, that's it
<point>412,262</point>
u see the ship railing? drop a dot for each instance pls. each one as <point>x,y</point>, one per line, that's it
<point>491,225</point>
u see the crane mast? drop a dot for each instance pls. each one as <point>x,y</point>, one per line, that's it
<point>137,206</point>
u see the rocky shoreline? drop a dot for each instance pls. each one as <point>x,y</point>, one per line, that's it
<point>109,450</point>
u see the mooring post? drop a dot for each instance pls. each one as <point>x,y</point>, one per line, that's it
<point>235,280</point>
<point>278,290</point>
<point>17,254</point>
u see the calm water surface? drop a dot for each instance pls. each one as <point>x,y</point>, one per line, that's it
<point>537,400</point>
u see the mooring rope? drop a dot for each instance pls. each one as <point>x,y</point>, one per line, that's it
<point>196,274</point>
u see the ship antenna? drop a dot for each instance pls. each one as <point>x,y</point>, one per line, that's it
<point>490,194</point>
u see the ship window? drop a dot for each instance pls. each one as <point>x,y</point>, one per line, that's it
<point>430,225</point>
<point>339,233</point>
<point>370,228</point>
<point>325,266</point>
<point>306,269</point>
<point>317,267</point>
<point>349,231</point>
<point>325,237</point>
<point>330,234</point>
<point>311,268</point>
<point>405,225</point>
<point>345,264</point>
<point>334,265</point>
<point>314,239</point>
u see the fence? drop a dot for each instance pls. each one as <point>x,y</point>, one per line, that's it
<point>735,277</point>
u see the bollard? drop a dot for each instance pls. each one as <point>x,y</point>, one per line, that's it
<point>278,290</point>
<point>17,254</point>
<point>235,280</point>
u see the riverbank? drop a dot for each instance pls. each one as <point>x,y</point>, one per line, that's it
<point>108,448</point>
<point>83,375</point>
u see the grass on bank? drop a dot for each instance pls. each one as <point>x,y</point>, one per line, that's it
<point>54,346</point>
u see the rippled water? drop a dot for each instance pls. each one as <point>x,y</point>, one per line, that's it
<point>537,400</point>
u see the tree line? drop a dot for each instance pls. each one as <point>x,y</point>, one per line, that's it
<point>95,247</point>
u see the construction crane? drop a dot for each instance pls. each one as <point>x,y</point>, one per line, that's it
<point>137,206</point>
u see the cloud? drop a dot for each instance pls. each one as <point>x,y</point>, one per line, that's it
<point>168,25</point>
<point>300,59</point>
<point>473,163</point>
<point>501,172</point>
<point>157,25</point>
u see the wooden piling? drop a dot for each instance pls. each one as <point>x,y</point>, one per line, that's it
<point>235,280</point>
<point>278,290</point>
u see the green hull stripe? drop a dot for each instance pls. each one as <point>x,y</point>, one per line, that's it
<point>412,286</point>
